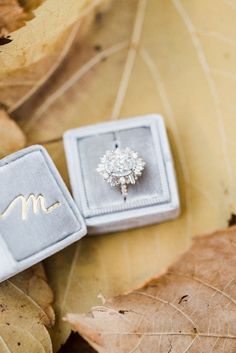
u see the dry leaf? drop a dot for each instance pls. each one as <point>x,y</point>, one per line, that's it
<point>12,17</point>
<point>191,308</point>
<point>183,67</point>
<point>11,136</point>
<point>25,306</point>
<point>36,49</point>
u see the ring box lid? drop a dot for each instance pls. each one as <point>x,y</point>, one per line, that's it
<point>38,216</point>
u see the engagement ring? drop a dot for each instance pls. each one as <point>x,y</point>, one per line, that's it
<point>121,167</point>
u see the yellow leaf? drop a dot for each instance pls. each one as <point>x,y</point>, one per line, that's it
<point>38,47</point>
<point>33,283</point>
<point>25,306</point>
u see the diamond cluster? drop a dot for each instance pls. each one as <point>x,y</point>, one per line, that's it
<point>121,167</point>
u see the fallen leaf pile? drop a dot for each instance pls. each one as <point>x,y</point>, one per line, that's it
<point>182,66</point>
<point>191,308</point>
<point>25,312</point>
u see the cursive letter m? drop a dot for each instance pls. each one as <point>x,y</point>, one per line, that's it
<point>37,202</point>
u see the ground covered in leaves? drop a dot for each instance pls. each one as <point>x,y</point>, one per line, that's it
<point>54,83</point>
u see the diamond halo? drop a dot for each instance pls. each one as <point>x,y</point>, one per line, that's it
<point>121,167</point>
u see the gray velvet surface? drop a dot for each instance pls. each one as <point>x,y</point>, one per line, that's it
<point>101,195</point>
<point>30,174</point>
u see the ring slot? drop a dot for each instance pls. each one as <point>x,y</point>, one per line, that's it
<point>116,141</point>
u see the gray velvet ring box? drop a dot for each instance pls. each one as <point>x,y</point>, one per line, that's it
<point>38,216</point>
<point>154,198</point>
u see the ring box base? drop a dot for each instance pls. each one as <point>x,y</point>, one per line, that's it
<point>153,199</point>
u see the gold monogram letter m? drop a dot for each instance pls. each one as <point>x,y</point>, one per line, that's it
<point>37,202</point>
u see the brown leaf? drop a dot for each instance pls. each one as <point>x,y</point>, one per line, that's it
<point>11,136</point>
<point>189,308</point>
<point>12,16</point>
<point>29,5</point>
